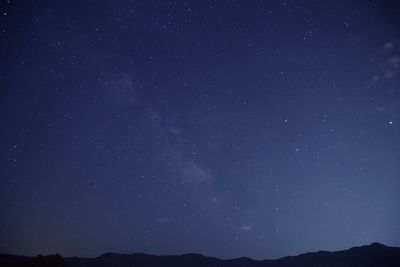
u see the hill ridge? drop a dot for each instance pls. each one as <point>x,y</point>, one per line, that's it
<point>374,254</point>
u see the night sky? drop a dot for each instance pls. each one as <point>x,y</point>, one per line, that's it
<point>227,128</point>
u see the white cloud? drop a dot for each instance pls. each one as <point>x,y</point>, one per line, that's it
<point>388,46</point>
<point>245,228</point>
<point>389,58</point>
<point>174,130</point>
<point>164,220</point>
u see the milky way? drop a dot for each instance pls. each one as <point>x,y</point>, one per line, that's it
<point>227,128</point>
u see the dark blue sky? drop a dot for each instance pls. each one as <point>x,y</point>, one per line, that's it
<point>227,128</point>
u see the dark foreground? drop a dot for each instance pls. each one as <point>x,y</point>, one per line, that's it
<point>372,255</point>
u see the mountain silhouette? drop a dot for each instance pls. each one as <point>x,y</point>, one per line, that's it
<point>371,255</point>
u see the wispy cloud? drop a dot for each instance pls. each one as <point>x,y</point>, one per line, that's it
<point>388,61</point>
<point>245,228</point>
<point>164,220</point>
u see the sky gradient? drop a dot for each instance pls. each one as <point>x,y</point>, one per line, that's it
<point>227,128</point>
